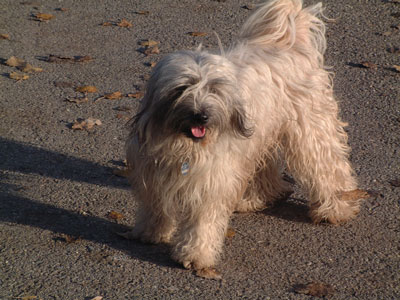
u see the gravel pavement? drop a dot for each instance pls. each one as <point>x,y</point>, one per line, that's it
<point>57,187</point>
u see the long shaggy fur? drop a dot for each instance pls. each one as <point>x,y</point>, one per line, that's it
<point>213,130</point>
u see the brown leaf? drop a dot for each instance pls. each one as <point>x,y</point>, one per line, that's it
<point>354,195</point>
<point>115,215</point>
<point>142,12</point>
<point>197,33</point>
<point>152,64</point>
<point>122,172</point>
<point>28,68</point>
<point>97,298</point>
<point>315,289</point>
<point>124,23</point>
<point>395,182</point>
<point>86,89</point>
<point>122,116</point>
<point>62,59</point>
<point>394,50</point>
<point>18,76</point>
<point>209,273</point>
<point>106,24</point>
<point>230,233</point>
<point>14,62</point>
<point>4,36</point>
<point>44,17</point>
<point>87,124</point>
<point>78,100</point>
<point>63,9</point>
<point>148,43</point>
<point>82,59</point>
<point>396,68</point>
<point>369,65</point>
<point>151,50</point>
<point>136,95</point>
<point>113,96</point>
<point>71,239</point>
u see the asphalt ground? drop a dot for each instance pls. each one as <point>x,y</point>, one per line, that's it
<point>57,187</point>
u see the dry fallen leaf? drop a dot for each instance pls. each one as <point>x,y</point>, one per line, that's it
<point>27,68</point>
<point>230,233</point>
<point>124,23</point>
<point>4,36</point>
<point>71,239</point>
<point>14,62</point>
<point>142,12</point>
<point>113,96</point>
<point>209,273</point>
<point>63,9</point>
<point>106,24</point>
<point>87,124</point>
<point>18,76</point>
<point>315,289</point>
<point>122,172</point>
<point>77,100</point>
<point>369,65</point>
<point>197,33</point>
<point>83,59</point>
<point>396,68</point>
<point>43,17</point>
<point>148,43</point>
<point>151,50</point>
<point>115,215</point>
<point>394,50</point>
<point>123,117</point>
<point>136,95</point>
<point>62,59</point>
<point>97,298</point>
<point>86,89</point>
<point>354,195</point>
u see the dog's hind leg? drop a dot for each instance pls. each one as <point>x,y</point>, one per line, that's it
<point>316,151</point>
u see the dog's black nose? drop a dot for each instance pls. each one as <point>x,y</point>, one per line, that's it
<point>201,117</point>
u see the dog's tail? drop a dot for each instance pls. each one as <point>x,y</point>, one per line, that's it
<point>285,24</point>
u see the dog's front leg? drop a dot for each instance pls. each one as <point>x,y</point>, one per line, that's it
<point>199,240</point>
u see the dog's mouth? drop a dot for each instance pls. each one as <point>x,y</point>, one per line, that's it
<point>198,131</point>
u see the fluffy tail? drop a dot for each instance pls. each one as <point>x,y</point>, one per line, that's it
<point>285,24</point>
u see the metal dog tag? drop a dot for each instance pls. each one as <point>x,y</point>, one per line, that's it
<point>185,168</point>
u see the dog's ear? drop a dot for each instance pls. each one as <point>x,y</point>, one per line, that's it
<point>240,123</point>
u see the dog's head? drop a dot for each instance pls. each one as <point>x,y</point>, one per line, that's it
<point>193,94</point>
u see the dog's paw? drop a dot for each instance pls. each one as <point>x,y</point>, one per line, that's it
<point>337,216</point>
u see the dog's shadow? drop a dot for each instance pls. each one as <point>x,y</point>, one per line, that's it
<point>21,158</point>
<point>289,209</point>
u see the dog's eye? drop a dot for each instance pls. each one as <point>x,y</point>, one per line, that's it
<point>176,93</point>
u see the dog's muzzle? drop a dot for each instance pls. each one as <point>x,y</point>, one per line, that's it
<point>198,129</point>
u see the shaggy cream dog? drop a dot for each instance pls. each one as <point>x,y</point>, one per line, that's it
<point>213,128</point>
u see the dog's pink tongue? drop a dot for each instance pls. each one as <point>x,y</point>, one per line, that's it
<point>198,131</point>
